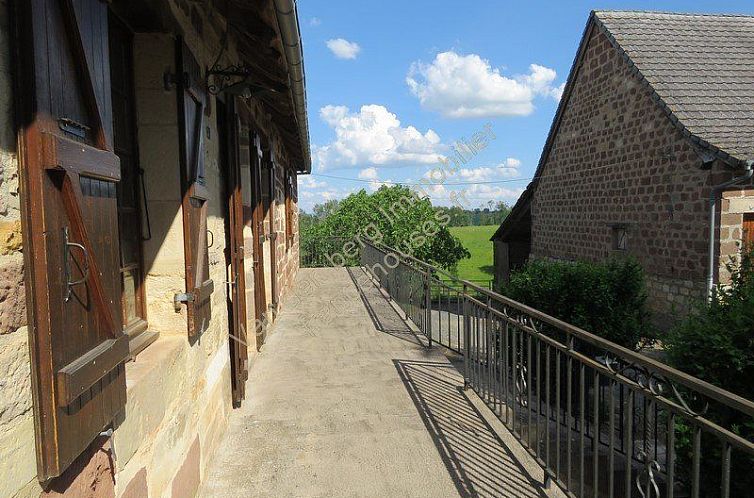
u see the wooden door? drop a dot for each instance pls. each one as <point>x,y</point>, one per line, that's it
<point>229,129</point>
<point>69,175</point>
<point>192,104</point>
<point>257,219</point>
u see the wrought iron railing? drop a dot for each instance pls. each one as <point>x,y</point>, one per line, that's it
<point>602,420</point>
<point>326,252</point>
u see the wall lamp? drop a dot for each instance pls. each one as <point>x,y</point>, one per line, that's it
<point>234,80</point>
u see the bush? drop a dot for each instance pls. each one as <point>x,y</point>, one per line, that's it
<point>606,299</point>
<point>716,344</point>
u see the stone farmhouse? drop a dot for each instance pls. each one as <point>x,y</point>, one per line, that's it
<point>149,154</point>
<point>650,155</point>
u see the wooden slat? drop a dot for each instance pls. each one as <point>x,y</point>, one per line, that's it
<point>78,376</point>
<point>78,228</point>
<point>84,67</point>
<point>64,154</point>
<point>203,292</point>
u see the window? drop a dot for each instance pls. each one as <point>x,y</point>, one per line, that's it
<point>129,199</point>
<point>620,238</point>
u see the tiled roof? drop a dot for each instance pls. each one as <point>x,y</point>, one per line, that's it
<point>701,68</point>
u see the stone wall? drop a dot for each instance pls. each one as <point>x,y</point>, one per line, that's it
<point>18,465</point>
<point>618,163</point>
<point>287,250</point>
<point>178,392</point>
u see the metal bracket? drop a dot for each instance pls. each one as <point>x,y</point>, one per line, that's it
<point>67,245</point>
<point>179,299</point>
<point>109,434</point>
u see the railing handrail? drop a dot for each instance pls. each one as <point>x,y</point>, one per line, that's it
<point>703,387</point>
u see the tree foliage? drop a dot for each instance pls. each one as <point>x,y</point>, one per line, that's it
<point>492,214</point>
<point>395,216</point>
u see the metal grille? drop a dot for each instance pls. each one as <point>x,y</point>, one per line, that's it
<point>601,420</point>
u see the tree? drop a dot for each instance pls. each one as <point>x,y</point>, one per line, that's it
<point>493,214</point>
<point>397,217</point>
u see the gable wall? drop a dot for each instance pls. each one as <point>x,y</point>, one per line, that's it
<point>617,159</point>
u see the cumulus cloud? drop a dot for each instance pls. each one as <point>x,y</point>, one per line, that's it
<point>373,136</point>
<point>343,49</point>
<point>510,168</point>
<point>368,174</point>
<point>476,174</point>
<point>467,86</point>
<point>506,169</point>
<point>309,182</point>
<point>315,21</point>
<point>469,197</point>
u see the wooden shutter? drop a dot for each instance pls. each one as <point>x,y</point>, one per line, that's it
<point>257,220</point>
<point>237,280</point>
<point>272,200</point>
<point>69,177</point>
<point>747,237</point>
<point>192,104</point>
<point>289,209</point>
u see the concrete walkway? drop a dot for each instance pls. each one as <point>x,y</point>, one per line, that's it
<point>344,400</point>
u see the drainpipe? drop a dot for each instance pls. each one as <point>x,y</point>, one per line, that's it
<point>713,218</point>
<point>290,33</point>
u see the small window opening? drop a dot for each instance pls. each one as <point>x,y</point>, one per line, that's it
<point>620,238</point>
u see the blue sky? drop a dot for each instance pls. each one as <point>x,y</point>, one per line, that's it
<point>393,84</point>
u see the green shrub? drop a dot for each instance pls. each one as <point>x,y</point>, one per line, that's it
<point>606,299</point>
<point>716,344</point>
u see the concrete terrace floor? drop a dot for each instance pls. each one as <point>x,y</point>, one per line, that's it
<point>345,400</point>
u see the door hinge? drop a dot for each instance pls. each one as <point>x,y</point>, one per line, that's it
<point>178,299</point>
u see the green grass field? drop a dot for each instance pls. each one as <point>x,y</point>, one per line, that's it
<point>477,241</point>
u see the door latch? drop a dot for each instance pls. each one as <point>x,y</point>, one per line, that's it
<point>179,299</point>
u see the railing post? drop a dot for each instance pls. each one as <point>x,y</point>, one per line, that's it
<point>428,305</point>
<point>466,340</point>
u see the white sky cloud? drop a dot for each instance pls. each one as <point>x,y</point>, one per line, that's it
<point>510,168</point>
<point>368,174</point>
<point>343,49</point>
<point>467,86</point>
<point>373,136</point>
<point>315,21</point>
<point>309,182</point>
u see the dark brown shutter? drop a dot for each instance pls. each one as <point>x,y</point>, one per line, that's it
<point>192,104</point>
<point>289,209</point>
<point>257,219</point>
<point>747,237</point>
<point>69,175</point>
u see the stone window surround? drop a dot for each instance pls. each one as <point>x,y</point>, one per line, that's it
<point>735,204</point>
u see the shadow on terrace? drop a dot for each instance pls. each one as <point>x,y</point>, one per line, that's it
<point>386,380</point>
<point>346,399</point>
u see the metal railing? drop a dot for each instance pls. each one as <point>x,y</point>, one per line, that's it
<point>325,252</point>
<point>602,420</point>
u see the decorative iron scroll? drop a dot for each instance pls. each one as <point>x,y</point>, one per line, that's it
<point>649,488</point>
<point>219,79</point>
<point>652,382</point>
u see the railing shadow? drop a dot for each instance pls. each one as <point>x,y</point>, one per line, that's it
<point>478,461</point>
<point>385,318</point>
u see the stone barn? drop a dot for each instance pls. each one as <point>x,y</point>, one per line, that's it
<point>149,153</point>
<point>650,155</point>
